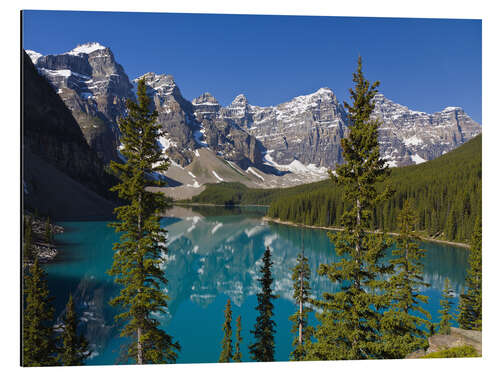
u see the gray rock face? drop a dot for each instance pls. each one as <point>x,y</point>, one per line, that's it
<point>408,137</point>
<point>306,129</point>
<point>225,136</point>
<point>94,87</point>
<point>198,124</point>
<point>175,114</point>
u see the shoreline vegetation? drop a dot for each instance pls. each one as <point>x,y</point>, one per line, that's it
<point>293,224</point>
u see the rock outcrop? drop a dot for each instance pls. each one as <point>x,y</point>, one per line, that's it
<point>457,337</point>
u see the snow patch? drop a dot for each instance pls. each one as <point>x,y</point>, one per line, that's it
<point>86,48</point>
<point>166,143</point>
<point>198,135</point>
<point>252,171</point>
<point>217,176</point>
<point>34,56</point>
<point>413,141</point>
<point>417,159</point>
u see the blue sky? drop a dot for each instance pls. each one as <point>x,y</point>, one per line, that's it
<point>425,64</point>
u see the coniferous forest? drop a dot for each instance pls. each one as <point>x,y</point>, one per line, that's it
<point>446,192</point>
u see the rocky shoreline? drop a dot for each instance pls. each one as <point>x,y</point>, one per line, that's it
<point>429,239</point>
<point>43,249</point>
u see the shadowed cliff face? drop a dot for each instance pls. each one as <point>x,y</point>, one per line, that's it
<point>57,158</point>
<point>95,88</point>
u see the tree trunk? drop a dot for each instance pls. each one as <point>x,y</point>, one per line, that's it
<point>300,306</point>
<point>139,347</point>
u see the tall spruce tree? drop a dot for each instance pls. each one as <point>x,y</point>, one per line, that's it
<point>75,348</point>
<point>262,349</point>
<point>349,321</point>
<point>237,345</point>
<point>403,331</point>
<point>445,312</point>
<point>138,255</point>
<point>300,276</point>
<point>227,342</point>
<point>39,346</point>
<point>470,316</point>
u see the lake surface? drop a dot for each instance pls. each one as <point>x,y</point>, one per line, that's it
<point>214,254</point>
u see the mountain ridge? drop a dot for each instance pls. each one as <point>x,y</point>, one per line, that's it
<point>304,130</point>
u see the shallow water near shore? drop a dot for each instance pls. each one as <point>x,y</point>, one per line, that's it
<point>214,255</point>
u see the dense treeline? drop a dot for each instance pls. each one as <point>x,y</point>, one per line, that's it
<point>446,193</point>
<point>235,193</point>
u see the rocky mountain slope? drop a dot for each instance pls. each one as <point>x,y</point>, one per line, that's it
<point>299,137</point>
<point>94,87</point>
<point>62,175</point>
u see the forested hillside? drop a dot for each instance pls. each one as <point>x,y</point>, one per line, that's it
<point>446,193</point>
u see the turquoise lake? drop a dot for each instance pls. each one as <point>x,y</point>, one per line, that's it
<point>214,254</point>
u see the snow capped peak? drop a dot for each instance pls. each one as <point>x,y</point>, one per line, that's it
<point>86,48</point>
<point>452,109</point>
<point>34,56</point>
<point>324,91</point>
<point>240,99</point>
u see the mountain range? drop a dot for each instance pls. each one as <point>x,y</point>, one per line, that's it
<point>283,145</point>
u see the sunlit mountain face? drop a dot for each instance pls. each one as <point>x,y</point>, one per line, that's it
<point>214,255</point>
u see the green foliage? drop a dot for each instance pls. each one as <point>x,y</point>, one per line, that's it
<point>264,329</point>
<point>75,347</point>
<point>446,192</point>
<point>401,328</point>
<point>28,238</point>
<point>445,312</point>
<point>38,341</point>
<point>227,342</point>
<point>138,255</point>
<point>235,193</point>
<point>237,345</point>
<point>457,352</point>
<point>301,276</point>
<point>470,316</point>
<point>349,320</point>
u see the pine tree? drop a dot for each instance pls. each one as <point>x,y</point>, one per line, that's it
<point>227,342</point>
<point>38,343</point>
<point>402,329</point>
<point>264,329</point>
<point>138,255</point>
<point>301,275</point>
<point>75,348</point>
<point>470,316</point>
<point>237,345</point>
<point>445,312</point>
<point>349,319</point>
<point>28,239</point>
